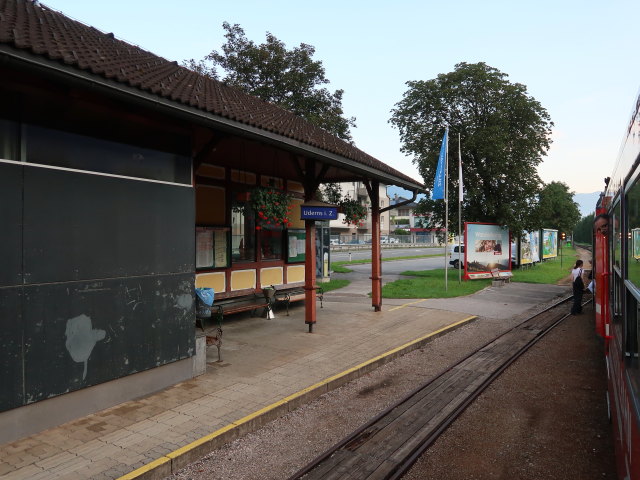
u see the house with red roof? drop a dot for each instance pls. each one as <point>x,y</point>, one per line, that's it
<point>125,183</point>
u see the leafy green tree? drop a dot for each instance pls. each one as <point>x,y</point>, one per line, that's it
<point>504,133</point>
<point>288,78</point>
<point>583,231</point>
<point>556,208</point>
<point>201,67</point>
<point>330,193</point>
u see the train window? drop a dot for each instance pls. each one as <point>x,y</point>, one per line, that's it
<point>633,234</point>
<point>618,287</point>
<point>617,235</point>
<point>631,326</point>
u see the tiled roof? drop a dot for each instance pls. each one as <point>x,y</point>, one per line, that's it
<point>32,27</point>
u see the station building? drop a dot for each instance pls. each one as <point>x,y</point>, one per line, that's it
<point>124,184</point>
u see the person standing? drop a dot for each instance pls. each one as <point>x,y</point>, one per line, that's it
<point>578,287</point>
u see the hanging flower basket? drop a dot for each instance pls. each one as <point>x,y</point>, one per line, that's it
<point>272,206</point>
<point>354,212</point>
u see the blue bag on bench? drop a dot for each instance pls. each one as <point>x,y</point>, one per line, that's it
<point>204,300</point>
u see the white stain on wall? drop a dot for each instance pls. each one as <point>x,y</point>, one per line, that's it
<point>81,338</point>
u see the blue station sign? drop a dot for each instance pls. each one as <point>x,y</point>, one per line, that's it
<point>318,212</point>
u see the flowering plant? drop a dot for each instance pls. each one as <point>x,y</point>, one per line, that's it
<point>354,212</point>
<point>272,206</point>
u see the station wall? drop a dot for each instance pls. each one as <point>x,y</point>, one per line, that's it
<point>97,279</point>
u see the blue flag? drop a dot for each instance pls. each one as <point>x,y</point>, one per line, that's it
<point>438,184</point>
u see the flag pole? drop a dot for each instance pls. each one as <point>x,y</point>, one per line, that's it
<point>446,212</point>
<point>460,195</point>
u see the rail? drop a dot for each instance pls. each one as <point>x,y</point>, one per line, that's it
<point>387,446</point>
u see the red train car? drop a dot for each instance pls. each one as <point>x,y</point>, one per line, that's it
<point>617,296</point>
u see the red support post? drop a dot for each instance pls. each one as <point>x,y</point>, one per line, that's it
<point>376,261</point>
<point>310,274</point>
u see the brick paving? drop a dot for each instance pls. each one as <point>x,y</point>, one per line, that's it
<point>265,361</point>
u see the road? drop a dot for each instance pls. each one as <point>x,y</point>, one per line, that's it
<point>340,255</point>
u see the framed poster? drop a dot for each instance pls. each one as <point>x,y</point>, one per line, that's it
<point>549,243</point>
<point>530,248</point>
<point>487,247</point>
<point>296,246</point>
<point>212,247</point>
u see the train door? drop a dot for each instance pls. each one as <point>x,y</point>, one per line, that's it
<point>601,275</point>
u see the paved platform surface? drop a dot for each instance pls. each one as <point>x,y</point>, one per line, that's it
<point>269,367</point>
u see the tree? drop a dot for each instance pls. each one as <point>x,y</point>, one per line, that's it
<point>556,208</point>
<point>583,231</point>
<point>288,78</point>
<point>504,135</point>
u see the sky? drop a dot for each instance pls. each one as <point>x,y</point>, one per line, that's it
<point>577,58</point>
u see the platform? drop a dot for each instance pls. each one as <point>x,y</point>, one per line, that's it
<point>269,367</point>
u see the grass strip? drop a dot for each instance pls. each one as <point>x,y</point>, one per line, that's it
<point>550,271</point>
<point>334,284</point>
<point>430,284</point>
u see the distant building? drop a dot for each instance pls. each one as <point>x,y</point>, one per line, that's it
<point>404,217</point>
<point>358,191</point>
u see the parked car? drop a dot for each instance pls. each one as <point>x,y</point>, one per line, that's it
<point>454,261</point>
<point>386,239</point>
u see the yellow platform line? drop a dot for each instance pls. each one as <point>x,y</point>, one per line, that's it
<point>406,305</point>
<point>182,450</point>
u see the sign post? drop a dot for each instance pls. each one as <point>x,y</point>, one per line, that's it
<point>310,212</point>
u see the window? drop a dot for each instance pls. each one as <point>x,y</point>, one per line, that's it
<point>271,242</point>
<point>633,234</point>
<point>243,227</point>
<point>617,235</point>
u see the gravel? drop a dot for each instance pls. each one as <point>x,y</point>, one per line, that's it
<point>545,417</point>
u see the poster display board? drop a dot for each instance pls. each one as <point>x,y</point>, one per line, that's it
<point>487,248</point>
<point>549,243</point>
<point>296,246</point>
<point>530,248</point>
<point>212,247</point>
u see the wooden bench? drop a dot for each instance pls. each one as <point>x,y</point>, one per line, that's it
<point>500,278</point>
<point>242,301</point>
<point>293,293</point>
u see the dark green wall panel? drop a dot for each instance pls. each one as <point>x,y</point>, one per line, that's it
<point>10,224</point>
<point>80,227</point>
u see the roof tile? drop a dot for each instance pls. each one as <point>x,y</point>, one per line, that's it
<point>29,26</point>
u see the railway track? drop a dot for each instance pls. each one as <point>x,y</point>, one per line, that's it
<point>387,446</point>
